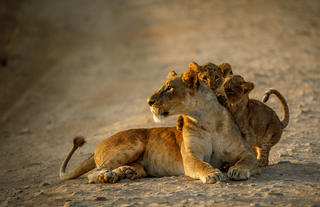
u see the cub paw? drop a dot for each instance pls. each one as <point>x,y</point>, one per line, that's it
<point>213,177</point>
<point>263,163</point>
<point>236,173</point>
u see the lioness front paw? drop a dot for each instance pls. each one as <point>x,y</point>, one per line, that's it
<point>126,172</point>
<point>213,177</point>
<point>236,173</point>
<point>108,177</point>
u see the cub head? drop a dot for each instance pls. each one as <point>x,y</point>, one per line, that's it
<point>237,89</point>
<point>174,95</point>
<point>211,74</point>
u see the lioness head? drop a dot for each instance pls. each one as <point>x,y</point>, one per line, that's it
<point>174,95</point>
<point>212,74</point>
<point>237,88</point>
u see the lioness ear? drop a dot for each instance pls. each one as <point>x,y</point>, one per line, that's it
<point>226,69</point>
<point>247,87</point>
<point>190,78</point>
<point>194,66</point>
<point>172,74</point>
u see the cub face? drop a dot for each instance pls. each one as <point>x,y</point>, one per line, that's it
<point>237,89</point>
<point>173,96</point>
<point>211,74</point>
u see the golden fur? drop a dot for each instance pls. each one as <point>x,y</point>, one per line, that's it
<point>133,153</point>
<point>166,151</point>
<point>258,122</point>
<point>210,137</point>
<point>213,76</point>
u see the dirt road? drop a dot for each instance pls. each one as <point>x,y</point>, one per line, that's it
<point>86,68</point>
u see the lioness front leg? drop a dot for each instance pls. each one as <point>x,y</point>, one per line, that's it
<point>244,168</point>
<point>131,171</point>
<point>198,169</point>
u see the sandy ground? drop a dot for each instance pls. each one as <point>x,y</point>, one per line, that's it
<point>81,67</point>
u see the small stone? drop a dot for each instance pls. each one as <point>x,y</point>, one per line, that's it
<point>26,186</point>
<point>38,194</point>
<point>275,194</point>
<point>100,198</point>
<point>264,189</point>
<point>19,191</point>
<point>44,184</point>
<point>255,205</point>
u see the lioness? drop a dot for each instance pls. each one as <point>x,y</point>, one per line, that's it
<point>133,154</point>
<point>259,123</point>
<point>209,132</point>
<point>157,151</point>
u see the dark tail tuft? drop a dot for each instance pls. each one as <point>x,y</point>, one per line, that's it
<point>79,141</point>
<point>266,97</point>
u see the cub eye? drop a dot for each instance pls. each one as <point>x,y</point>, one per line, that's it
<point>204,78</point>
<point>216,78</point>
<point>228,90</point>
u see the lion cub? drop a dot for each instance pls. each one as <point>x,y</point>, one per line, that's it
<point>257,121</point>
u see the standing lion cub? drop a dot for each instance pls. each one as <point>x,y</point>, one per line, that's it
<point>257,121</point>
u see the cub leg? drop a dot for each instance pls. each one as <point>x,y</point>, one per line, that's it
<point>131,171</point>
<point>198,169</point>
<point>264,155</point>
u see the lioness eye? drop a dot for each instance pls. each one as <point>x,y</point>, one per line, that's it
<point>168,89</point>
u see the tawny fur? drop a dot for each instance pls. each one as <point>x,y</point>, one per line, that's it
<point>258,122</point>
<point>210,136</point>
<point>213,75</point>
<point>133,153</point>
<point>164,151</point>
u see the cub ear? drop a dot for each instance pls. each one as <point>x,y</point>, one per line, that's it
<point>194,66</point>
<point>247,87</point>
<point>226,69</point>
<point>171,74</point>
<point>190,78</point>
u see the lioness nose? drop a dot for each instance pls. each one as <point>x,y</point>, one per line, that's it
<point>151,102</point>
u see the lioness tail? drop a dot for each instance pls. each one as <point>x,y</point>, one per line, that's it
<point>86,166</point>
<point>283,102</point>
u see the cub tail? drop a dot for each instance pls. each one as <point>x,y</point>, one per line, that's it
<point>85,166</point>
<point>283,102</point>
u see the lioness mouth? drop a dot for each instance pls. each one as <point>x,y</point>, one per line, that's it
<point>165,113</point>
